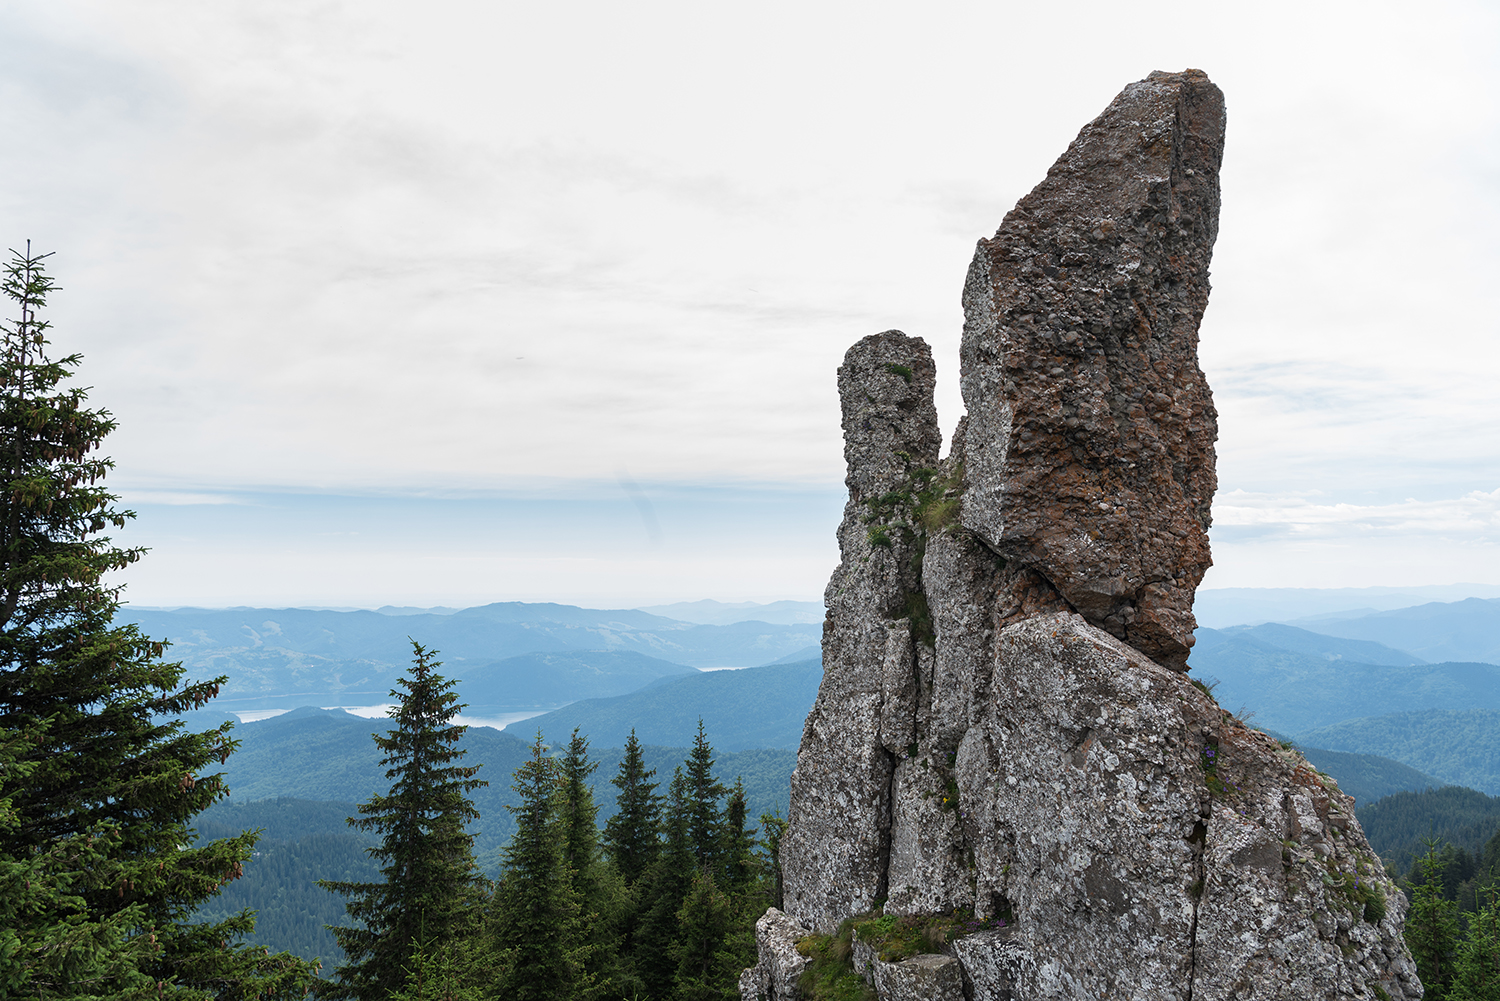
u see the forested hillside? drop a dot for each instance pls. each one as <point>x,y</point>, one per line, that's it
<point>1296,691</point>
<point>1368,777</point>
<point>1398,825</point>
<point>303,841</point>
<point>1458,746</point>
<point>317,754</point>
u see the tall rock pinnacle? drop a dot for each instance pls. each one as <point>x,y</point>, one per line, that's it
<point>1005,760</point>
<point>1089,440</point>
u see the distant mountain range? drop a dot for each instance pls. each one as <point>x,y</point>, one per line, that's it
<point>1365,685</point>
<point>1467,630</point>
<point>1364,689</point>
<point>756,707</point>
<point>1295,680</point>
<point>718,613</point>
<point>1389,702</point>
<point>278,658</point>
<point>1218,607</point>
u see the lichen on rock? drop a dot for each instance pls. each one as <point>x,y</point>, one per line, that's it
<point>1004,729</point>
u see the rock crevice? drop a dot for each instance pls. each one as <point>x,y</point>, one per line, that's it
<point>1005,728</point>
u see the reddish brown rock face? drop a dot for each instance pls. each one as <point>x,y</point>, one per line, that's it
<point>1089,444</point>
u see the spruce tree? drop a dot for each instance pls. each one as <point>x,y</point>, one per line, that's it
<point>1476,971</point>
<point>579,815</point>
<point>600,892</point>
<point>1432,927</point>
<point>46,937</point>
<point>535,914</point>
<point>705,818</point>
<point>431,891</point>
<point>773,826</point>
<point>632,836</point>
<point>101,778</point>
<point>739,866</point>
<point>706,969</point>
<point>661,893</point>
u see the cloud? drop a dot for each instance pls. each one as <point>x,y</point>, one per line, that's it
<point>1474,516</point>
<point>360,247</point>
<point>177,498</point>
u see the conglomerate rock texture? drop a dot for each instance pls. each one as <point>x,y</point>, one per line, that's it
<point>1004,726</point>
<point>1090,434</point>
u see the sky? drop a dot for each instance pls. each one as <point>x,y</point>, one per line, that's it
<point>448,303</point>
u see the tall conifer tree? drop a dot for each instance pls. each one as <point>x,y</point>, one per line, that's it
<point>535,913</point>
<point>738,862</point>
<point>1432,927</point>
<point>632,837</point>
<point>707,969</point>
<point>601,894</point>
<point>579,815</point>
<point>101,779</point>
<point>431,890</point>
<point>662,891</point>
<point>705,817</point>
<point>1476,970</point>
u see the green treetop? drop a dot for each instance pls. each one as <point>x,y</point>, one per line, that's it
<point>1476,969</point>
<point>705,817</point>
<point>536,912</point>
<point>578,812</point>
<point>631,836</point>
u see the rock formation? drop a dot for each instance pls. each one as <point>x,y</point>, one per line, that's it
<point>1090,434</point>
<point>1004,730</point>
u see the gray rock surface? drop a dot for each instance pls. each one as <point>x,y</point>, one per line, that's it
<point>993,735</point>
<point>921,978</point>
<point>779,964</point>
<point>1090,426</point>
<point>995,968</point>
<point>844,769</point>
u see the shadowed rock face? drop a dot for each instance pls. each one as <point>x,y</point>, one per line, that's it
<point>1004,725</point>
<point>1090,433</point>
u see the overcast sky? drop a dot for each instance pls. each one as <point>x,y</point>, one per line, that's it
<point>457,302</point>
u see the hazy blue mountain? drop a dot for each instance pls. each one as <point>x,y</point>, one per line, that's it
<point>718,613</point>
<point>1316,644</point>
<point>1467,630</point>
<point>280,657</point>
<point>807,653</point>
<point>1458,746</point>
<point>554,678</point>
<point>1232,606</point>
<point>1293,692</point>
<point>754,707</point>
<point>1368,777</point>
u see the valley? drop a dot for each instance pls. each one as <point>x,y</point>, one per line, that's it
<point>1414,741</point>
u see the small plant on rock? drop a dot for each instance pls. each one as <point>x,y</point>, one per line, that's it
<point>830,974</point>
